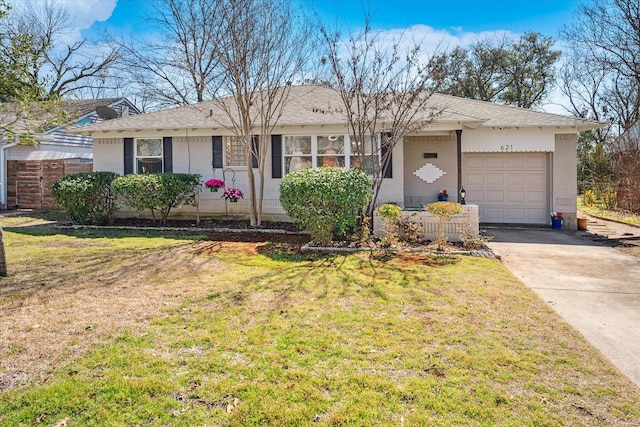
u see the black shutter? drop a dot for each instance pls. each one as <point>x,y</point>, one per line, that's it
<point>216,144</point>
<point>255,146</point>
<point>384,146</point>
<point>167,153</point>
<point>128,156</point>
<point>276,156</point>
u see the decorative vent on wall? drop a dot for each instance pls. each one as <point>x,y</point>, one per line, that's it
<point>429,173</point>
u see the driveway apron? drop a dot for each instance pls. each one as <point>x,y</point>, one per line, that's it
<point>595,288</point>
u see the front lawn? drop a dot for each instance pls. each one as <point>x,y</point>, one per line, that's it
<point>119,330</point>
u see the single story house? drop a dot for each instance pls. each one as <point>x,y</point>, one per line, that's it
<point>27,171</point>
<point>516,165</point>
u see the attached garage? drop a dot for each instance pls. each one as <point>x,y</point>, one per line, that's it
<point>508,187</point>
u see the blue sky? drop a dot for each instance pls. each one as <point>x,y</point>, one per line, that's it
<point>437,24</point>
<point>451,16</point>
<point>517,16</point>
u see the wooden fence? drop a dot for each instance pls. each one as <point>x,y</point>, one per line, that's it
<point>29,181</point>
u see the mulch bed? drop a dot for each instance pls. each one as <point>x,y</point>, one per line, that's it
<point>241,230</point>
<point>207,223</point>
<point>278,232</point>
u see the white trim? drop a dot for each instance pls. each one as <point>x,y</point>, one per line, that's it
<point>3,173</point>
<point>508,140</point>
<point>136,157</point>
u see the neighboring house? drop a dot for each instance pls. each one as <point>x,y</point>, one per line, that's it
<point>27,171</point>
<point>517,165</point>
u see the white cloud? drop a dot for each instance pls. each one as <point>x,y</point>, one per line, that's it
<point>435,40</point>
<point>84,13</point>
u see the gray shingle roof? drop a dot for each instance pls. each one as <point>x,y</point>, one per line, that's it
<point>318,105</point>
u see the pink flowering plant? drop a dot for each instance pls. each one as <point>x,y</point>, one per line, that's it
<point>443,193</point>
<point>557,216</point>
<point>232,194</point>
<point>214,184</point>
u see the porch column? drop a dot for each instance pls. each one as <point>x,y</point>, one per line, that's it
<point>459,151</point>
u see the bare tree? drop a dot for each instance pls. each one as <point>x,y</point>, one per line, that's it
<point>602,80</point>
<point>604,38</point>
<point>179,64</point>
<point>385,93</point>
<point>262,47</point>
<point>58,68</point>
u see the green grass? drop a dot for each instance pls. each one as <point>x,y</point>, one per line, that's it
<point>600,212</point>
<point>268,337</point>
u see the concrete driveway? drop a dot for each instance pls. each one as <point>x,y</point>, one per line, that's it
<point>595,288</point>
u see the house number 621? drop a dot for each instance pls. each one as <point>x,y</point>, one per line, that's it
<point>508,147</point>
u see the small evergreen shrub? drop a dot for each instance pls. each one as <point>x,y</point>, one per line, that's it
<point>325,201</point>
<point>86,197</point>
<point>158,192</point>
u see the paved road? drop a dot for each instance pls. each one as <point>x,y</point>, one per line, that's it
<point>595,288</point>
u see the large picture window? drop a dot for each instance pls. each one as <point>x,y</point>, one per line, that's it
<point>148,155</point>
<point>339,151</point>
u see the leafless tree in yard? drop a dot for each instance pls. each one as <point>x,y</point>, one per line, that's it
<point>385,91</point>
<point>262,47</point>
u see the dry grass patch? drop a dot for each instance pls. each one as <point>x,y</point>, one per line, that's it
<point>65,293</point>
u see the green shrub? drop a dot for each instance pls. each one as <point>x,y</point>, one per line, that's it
<point>86,197</point>
<point>159,192</point>
<point>325,201</point>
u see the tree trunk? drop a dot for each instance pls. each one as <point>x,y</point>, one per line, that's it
<point>3,260</point>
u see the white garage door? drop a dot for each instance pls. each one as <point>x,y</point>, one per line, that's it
<point>508,187</point>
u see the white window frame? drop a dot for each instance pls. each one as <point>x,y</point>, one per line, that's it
<point>314,149</point>
<point>136,157</point>
<point>286,156</point>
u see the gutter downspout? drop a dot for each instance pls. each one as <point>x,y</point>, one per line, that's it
<point>3,173</point>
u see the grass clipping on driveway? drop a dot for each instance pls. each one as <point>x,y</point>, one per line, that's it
<point>150,330</point>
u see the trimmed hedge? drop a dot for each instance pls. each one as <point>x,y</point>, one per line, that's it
<point>159,192</point>
<point>325,201</point>
<point>86,197</point>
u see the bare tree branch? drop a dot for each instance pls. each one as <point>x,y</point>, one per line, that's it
<point>384,91</point>
<point>58,68</point>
